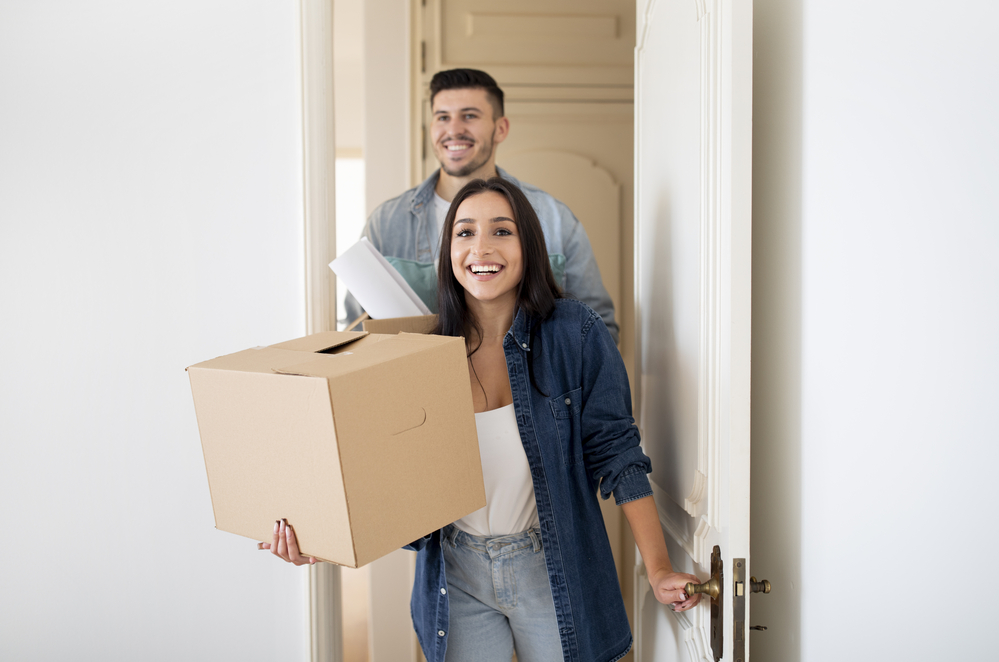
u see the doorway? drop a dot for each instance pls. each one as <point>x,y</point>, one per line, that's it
<point>567,71</point>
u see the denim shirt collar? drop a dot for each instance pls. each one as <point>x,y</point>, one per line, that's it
<point>520,330</point>
<point>424,193</point>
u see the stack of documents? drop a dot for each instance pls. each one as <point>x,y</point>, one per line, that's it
<point>377,286</point>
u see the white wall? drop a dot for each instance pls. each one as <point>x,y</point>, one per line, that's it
<point>876,230</point>
<point>151,213</point>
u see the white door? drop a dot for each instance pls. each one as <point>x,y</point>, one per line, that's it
<point>693,141</point>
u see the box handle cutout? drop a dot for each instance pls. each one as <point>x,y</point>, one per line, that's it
<point>421,417</point>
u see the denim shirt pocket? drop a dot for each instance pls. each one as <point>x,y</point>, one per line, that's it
<point>565,408</point>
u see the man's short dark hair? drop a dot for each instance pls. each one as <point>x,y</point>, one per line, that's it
<point>463,79</point>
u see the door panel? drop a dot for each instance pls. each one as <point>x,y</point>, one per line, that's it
<point>561,42</point>
<point>693,144</point>
<point>590,191</point>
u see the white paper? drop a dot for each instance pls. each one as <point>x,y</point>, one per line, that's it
<point>377,286</point>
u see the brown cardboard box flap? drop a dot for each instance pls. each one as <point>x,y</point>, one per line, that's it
<point>320,342</point>
<point>267,360</point>
<point>420,324</point>
<point>363,355</point>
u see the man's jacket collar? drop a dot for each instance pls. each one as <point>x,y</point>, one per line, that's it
<point>424,193</point>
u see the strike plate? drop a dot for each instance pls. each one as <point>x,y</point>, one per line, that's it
<point>739,609</point>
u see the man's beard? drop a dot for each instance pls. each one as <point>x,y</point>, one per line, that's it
<point>471,167</point>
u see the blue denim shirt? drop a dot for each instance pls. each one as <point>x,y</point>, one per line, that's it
<point>404,227</point>
<point>579,437</point>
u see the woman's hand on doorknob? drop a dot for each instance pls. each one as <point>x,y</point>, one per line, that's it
<point>669,589</point>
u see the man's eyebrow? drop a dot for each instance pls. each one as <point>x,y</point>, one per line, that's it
<point>461,110</point>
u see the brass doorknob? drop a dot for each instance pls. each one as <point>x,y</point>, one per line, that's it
<point>711,588</point>
<point>759,587</point>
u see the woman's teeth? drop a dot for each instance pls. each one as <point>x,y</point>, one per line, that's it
<point>490,269</point>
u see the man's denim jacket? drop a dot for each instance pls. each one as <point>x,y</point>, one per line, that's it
<point>404,227</point>
<point>580,437</point>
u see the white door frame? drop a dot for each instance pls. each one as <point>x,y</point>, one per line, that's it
<point>319,230</point>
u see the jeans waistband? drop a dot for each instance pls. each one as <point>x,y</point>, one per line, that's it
<point>509,542</point>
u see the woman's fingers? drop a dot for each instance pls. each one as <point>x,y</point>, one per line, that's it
<point>293,552</point>
<point>684,605</point>
<point>283,540</point>
<point>692,599</point>
<point>276,541</point>
<point>671,596</point>
<point>670,589</point>
<point>284,545</point>
<point>683,601</point>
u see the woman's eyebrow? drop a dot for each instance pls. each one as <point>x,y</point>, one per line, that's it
<point>498,219</point>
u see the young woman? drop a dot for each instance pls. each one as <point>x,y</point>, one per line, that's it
<point>533,570</point>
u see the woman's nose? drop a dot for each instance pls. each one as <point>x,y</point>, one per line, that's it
<point>482,245</point>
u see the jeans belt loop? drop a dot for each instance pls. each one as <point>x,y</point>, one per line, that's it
<point>536,539</point>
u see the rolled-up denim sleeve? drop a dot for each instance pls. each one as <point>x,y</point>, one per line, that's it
<point>582,275</point>
<point>417,545</point>
<point>611,443</point>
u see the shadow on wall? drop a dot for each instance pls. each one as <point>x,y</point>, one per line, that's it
<point>776,390</point>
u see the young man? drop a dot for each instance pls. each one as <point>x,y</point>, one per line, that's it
<point>468,124</point>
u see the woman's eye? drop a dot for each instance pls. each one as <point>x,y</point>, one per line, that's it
<point>503,232</point>
<point>463,233</point>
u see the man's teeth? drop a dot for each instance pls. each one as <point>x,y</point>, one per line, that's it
<point>485,269</point>
<point>457,148</point>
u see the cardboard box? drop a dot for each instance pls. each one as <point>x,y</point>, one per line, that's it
<point>363,442</point>
<point>418,324</point>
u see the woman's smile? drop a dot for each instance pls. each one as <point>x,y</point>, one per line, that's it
<point>484,271</point>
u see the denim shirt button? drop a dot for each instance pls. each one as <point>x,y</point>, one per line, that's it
<point>440,633</point>
<point>443,591</point>
<point>524,345</point>
<point>568,401</point>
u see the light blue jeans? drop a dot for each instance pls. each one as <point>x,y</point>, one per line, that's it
<point>499,598</point>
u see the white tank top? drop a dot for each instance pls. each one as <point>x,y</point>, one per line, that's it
<point>510,505</point>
